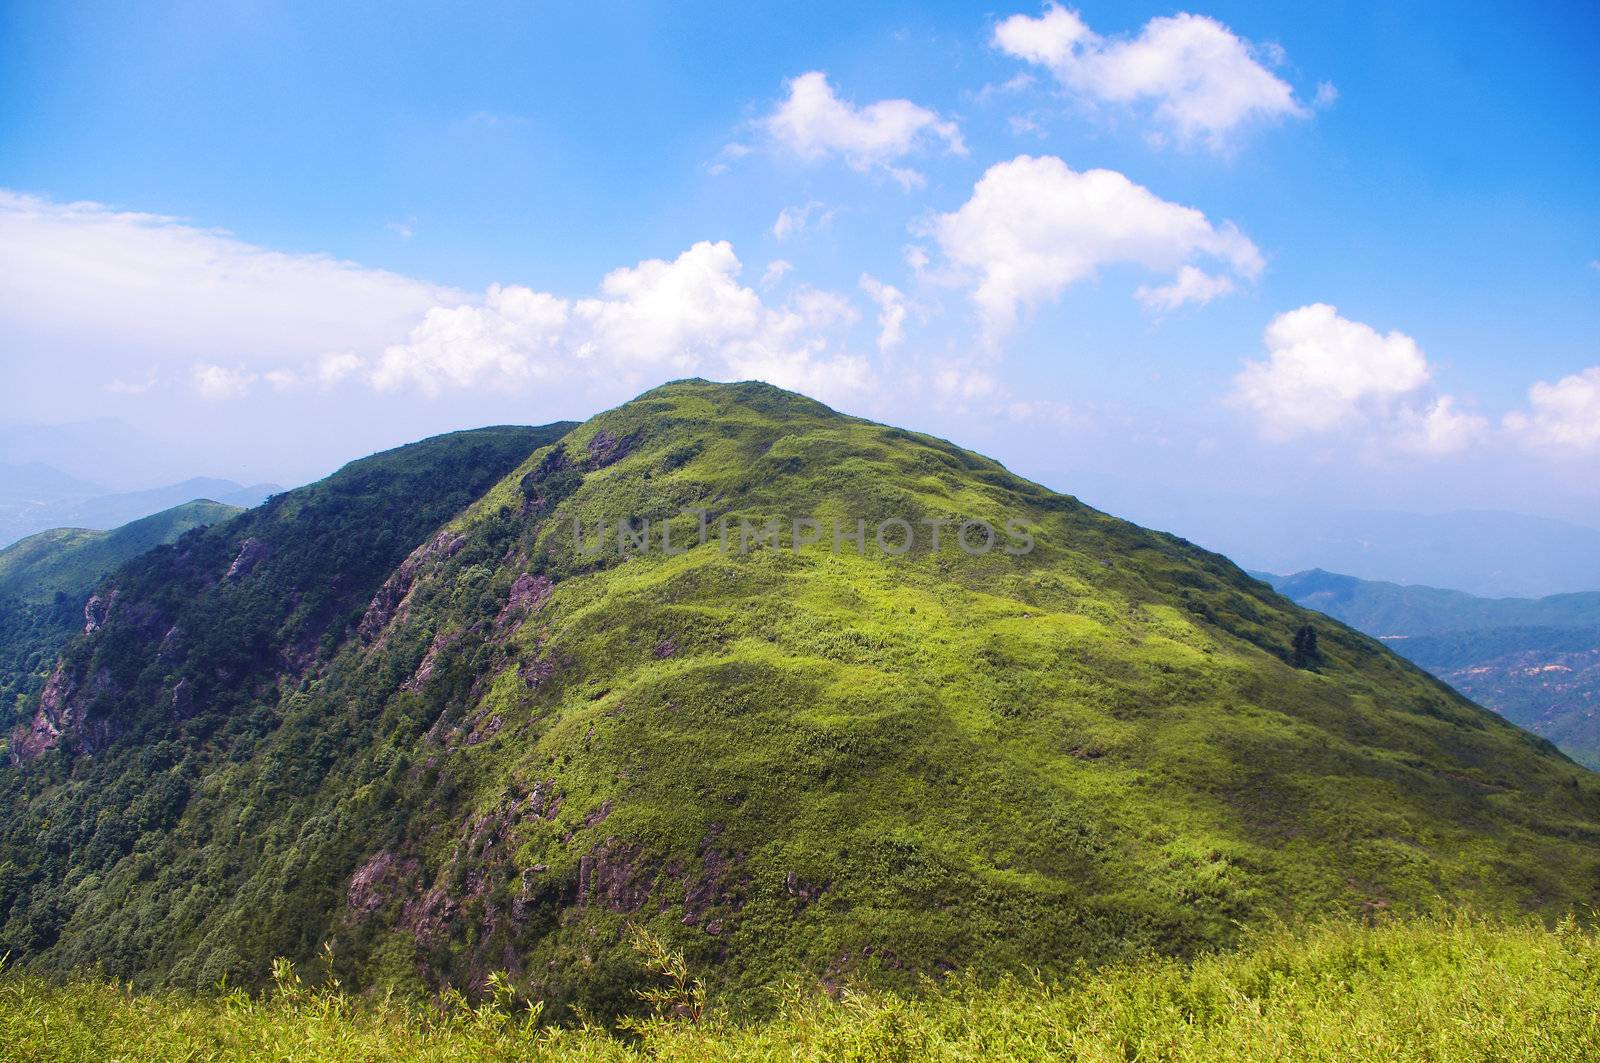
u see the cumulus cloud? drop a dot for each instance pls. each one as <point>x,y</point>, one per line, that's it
<point>1563,417</point>
<point>1191,286</point>
<point>131,387</point>
<point>969,389</point>
<point>891,311</point>
<point>222,382</point>
<point>815,124</point>
<point>1201,81</point>
<point>1034,226</point>
<point>776,270</point>
<point>106,287</point>
<point>793,220</point>
<point>689,315</point>
<point>223,319</point>
<point>1324,373</point>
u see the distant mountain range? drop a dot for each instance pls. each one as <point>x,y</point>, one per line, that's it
<point>1535,661</point>
<point>1483,552</point>
<point>36,497</point>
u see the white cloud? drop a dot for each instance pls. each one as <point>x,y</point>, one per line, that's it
<point>131,387</point>
<point>723,162</point>
<point>1203,81</point>
<point>106,288</point>
<point>207,315</point>
<point>970,390</point>
<point>690,315</point>
<point>1191,286</point>
<point>1324,372</point>
<point>793,220</point>
<point>333,369</point>
<point>222,382</point>
<point>891,312</point>
<point>964,383</point>
<point>815,124</point>
<point>1562,417</point>
<point>1034,226</point>
<point>776,270</point>
<point>1437,428</point>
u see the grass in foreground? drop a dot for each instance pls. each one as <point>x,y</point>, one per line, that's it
<point>1436,990</point>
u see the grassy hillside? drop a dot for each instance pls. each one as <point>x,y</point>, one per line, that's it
<point>1535,661</point>
<point>71,561</point>
<point>854,765</point>
<point>1425,991</point>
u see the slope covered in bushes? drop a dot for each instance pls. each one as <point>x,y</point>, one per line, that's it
<point>1425,991</point>
<point>841,764</point>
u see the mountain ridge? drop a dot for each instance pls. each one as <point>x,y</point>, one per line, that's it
<point>837,764</point>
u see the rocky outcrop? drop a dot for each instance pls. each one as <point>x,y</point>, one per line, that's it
<point>430,660</point>
<point>383,878</point>
<point>390,600</point>
<point>615,875</point>
<point>60,715</point>
<point>53,717</point>
<point>528,594</point>
<point>606,449</point>
<point>96,611</point>
<point>251,553</point>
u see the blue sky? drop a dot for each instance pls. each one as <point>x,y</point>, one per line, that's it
<point>274,237</point>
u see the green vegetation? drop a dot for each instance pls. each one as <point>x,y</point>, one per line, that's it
<point>502,752</point>
<point>1426,991</point>
<point>46,578</point>
<point>1536,661</point>
<point>71,561</point>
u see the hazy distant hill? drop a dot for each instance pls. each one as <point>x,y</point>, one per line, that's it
<point>36,497</point>
<point>1534,660</point>
<point>1483,552</point>
<point>401,710</point>
<point>46,580</point>
<point>71,561</point>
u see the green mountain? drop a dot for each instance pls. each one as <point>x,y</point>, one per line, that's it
<point>1536,661</point>
<point>35,498</point>
<point>71,561</point>
<point>489,745</point>
<point>47,578</point>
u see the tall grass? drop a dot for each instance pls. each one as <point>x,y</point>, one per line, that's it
<point>1435,990</point>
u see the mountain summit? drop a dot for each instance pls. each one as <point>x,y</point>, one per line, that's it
<point>866,756</point>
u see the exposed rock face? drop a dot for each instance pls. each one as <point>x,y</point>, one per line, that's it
<point>251,553</point>
<point>616,876</point>
<point>96,611</point>
<point>60,715</point>
<point>606,449</point>
<point>182,699</point>
<point>441,642</point>
<point>528,594</point>
<point>381,879</point>
<point>53,717</point>
<point>536,670</point>
<point>390,599</point>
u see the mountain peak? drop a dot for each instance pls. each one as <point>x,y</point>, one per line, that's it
<point>808,695</point>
